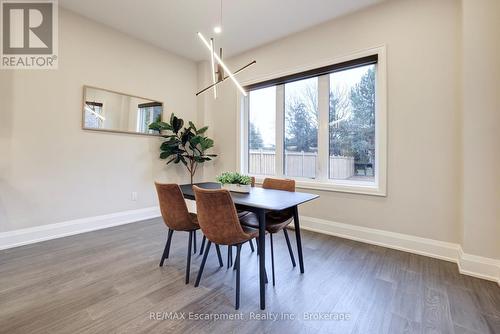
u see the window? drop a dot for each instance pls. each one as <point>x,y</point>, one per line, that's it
<point>262,131</point>
<point>352,124</point>
<point>94,118</point>
<point>148,113</point>
<point>324,127</point>
<point>301,128</point>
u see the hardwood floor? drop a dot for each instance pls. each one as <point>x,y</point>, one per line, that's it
<point>108,281</point>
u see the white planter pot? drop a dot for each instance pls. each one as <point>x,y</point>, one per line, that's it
<point>238,188</point>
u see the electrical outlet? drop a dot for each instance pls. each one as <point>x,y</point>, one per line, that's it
<point>134,196</point>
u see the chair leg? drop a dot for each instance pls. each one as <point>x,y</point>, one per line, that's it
<point>236,259</point>
<point>229,256</point>
<point>166,251</point>
<point>272,256</point>
<point>202,244</point>
<point>207,249</point>
<point>194,242</point>
<point>257,243</point>
<point>251,245</point>
<point>237,264</point>
<point>289,247</point>
<point>221,264</point>
<point>188,264</point>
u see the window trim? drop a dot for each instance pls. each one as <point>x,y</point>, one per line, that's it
<point>379,188</point>
<point>150,105</point>
<point>315,72</point>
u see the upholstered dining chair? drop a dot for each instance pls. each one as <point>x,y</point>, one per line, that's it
<point>176,217</point>
<point>230,248</point>
<point>277,221</point>
<point>221,225</point>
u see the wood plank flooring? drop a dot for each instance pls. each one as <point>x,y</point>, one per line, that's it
<point>108,281</point>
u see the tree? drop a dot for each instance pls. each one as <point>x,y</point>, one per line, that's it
<point>362,98</point>
<point>352,120</point>
<point>255,141</point>
<point>301,132</point>
<point>339,115</point>
<point>301,129</point>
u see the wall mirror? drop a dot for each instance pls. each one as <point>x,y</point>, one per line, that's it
<point>106,110</point>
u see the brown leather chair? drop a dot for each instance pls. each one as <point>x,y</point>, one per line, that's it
<point>177,218</point>
<point>278,220</point>
<point>241,213</point>
<point>221,225</point>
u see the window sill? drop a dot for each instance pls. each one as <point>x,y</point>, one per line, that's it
<point>352,188</point>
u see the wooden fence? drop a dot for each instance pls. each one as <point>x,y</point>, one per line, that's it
<point>299,164</point>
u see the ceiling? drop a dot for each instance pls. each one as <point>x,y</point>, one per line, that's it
<point>246,24</point>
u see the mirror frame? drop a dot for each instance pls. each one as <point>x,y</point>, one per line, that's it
<point>117,131</point>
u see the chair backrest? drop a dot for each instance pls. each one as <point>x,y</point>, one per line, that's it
<point>217,216</point>
<point>173,207</point>
<point>279,184</point>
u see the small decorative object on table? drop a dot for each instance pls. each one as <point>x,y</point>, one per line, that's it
<point>235,182</point>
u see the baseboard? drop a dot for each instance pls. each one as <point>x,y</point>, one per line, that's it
<point>468,264</point>
<point>478,266</point>
<point>31,235</point>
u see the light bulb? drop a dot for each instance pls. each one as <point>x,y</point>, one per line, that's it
<point>217,30</point>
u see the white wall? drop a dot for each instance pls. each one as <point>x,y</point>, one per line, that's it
<point>481,121</point>
<point>443,99</point>
<point>50,169</point>
<point>423,44</point>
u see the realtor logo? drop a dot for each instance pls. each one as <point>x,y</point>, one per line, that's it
<point>29,34</point>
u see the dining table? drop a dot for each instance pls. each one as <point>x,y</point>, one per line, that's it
<point>260,201</point>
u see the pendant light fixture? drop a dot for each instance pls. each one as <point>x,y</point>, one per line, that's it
<point>219,71</point>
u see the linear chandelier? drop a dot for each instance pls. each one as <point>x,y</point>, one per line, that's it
<point>218,72</point>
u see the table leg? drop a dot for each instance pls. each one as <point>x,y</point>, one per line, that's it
<point>297,235</point>
<point>262,257</point>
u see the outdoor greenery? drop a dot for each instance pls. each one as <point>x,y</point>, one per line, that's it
<point>184,145</point>
<point>351,121</point>
<point>234,178</point>
<point>301,127</point>
<point>255,138</point>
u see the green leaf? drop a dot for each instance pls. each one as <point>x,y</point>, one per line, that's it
<point>186,136</point>
<point>159,126</point>
<point>154,126</point>
<point>177,124</point>
<point>165,126</point>
<point>195,140</point>
<point>171,160</point>
<point>169,145</point>
<point>234,178</point>
<point>164,155</point>
<point>202,130</point>
<point>206,143</point>
<point>191,125</point>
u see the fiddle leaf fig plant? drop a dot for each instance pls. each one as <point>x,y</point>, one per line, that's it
<point>186,145</point>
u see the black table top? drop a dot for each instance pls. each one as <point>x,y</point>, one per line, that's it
<point>260,198</point>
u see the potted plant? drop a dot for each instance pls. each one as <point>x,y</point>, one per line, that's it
<point>236,182</point>
<point>184,145</point>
